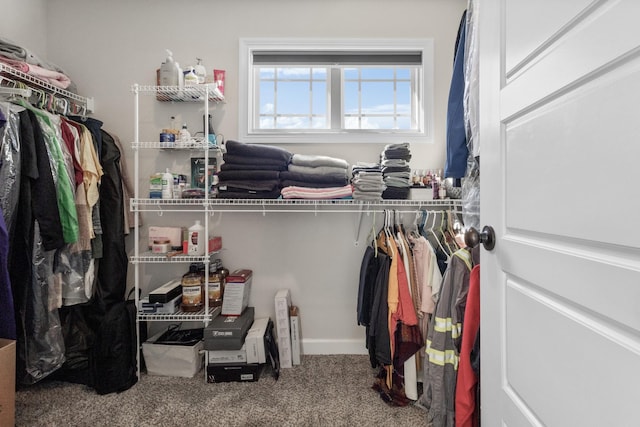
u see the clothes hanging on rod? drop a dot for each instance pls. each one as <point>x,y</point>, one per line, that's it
<point>395,298</point>
<point>50,168</point>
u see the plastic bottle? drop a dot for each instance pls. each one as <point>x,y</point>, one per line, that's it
<point>170,71</point>
<point>200,71</point>
<point>190,77</point>
<point>167,185</point>
<point>192,290</point>
<point>197,239</point>
<point>184,136</point>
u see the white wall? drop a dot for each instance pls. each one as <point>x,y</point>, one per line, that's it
<point>108,46</point>
<point>25,23</point>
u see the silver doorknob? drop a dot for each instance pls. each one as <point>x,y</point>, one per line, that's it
<point>487,237</point>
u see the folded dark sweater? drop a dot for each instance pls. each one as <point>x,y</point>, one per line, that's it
<point>395,193</point>
<point>332,178</point>
<point>228,175</point>
<point>255,185</point>
<point>258,150</point>
<point>248,167</point>
<point>252,160</point>
<point>248,194</point>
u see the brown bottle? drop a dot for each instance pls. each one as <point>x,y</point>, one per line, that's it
<point>192,291</point>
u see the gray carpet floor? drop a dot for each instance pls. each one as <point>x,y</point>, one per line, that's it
<point>323,391</point>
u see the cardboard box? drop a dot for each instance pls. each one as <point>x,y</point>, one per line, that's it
<point>7,382</point>
<point>283,327</point>
<point>255,341</point>
<point>172,234</point>
<point>228,332</point>
<point>236,292</point>
<point>221,373</point>
<point>167,292</point>
<point>296,346</point>
<point>227,356</point>
<point>198,171</point>
<point>172,360</point>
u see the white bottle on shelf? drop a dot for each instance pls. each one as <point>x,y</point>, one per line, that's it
<point>197,239</point>
<point>170,71</point>
<point>167,185</point>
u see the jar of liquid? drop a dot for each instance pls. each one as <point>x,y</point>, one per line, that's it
<point>216,289</point>
<point>192,292</point>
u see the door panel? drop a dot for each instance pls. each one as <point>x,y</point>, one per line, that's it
<point>563,152</point>
<point>560,135</point>
<point>534,23</point>
<point>562,367</point>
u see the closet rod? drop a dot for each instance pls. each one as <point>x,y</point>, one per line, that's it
<point>34,82</point>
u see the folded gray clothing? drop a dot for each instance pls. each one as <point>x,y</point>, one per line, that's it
<point>368,175</point>
<point>249,194</point>
<point>404,175</point>
<point>307,184</point>
<point>398,145</point>
<point>370,187</point>
<point>397,155</point>
<point>397,182</point>
<point>368,179</point>
<point>358,181</point>
<point>256,185</point>
<point>367,196</point>
<point>321,170</point>
<point>258,150</point>
<point>247,167</point>
<point>252,160</point>
<point>394,162</point>
<point>392,169</point>
<point>229,175</point>
<point>316,161</point>
<point>13,51</point>
<point>333,178</point>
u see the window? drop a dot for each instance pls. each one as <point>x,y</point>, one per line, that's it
<point>336,91</point>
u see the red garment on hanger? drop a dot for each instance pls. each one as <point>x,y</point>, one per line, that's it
<point>465,402</point>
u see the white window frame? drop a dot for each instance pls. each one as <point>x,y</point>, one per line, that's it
<point>248,46</point>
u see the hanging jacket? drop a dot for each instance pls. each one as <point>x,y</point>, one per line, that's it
<point>457,151</point>
<point>466,398</point>
<point>443,342</point>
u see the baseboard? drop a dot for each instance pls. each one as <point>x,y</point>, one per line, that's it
<point>336,346</point>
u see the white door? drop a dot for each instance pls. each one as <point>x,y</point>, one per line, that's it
<point>560,160</point>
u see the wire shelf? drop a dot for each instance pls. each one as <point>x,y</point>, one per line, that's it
<point>151,258</point>
<point>195,93</point>
<point>196,143</point>
<point>181,316</point>
<point>34,82</point>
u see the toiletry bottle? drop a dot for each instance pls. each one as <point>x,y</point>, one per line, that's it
<point>197,239</point>
<point>167,185</point>
<point>184,136</point>
<point>201,71</point>
<point>211,134</point>
<point>169,71</point>
<point>190,77</point>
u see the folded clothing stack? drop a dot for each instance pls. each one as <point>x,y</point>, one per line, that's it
<point>251,171</point>
<point>367,181</point>
<point>396,170</point>
<point>326,177</point>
